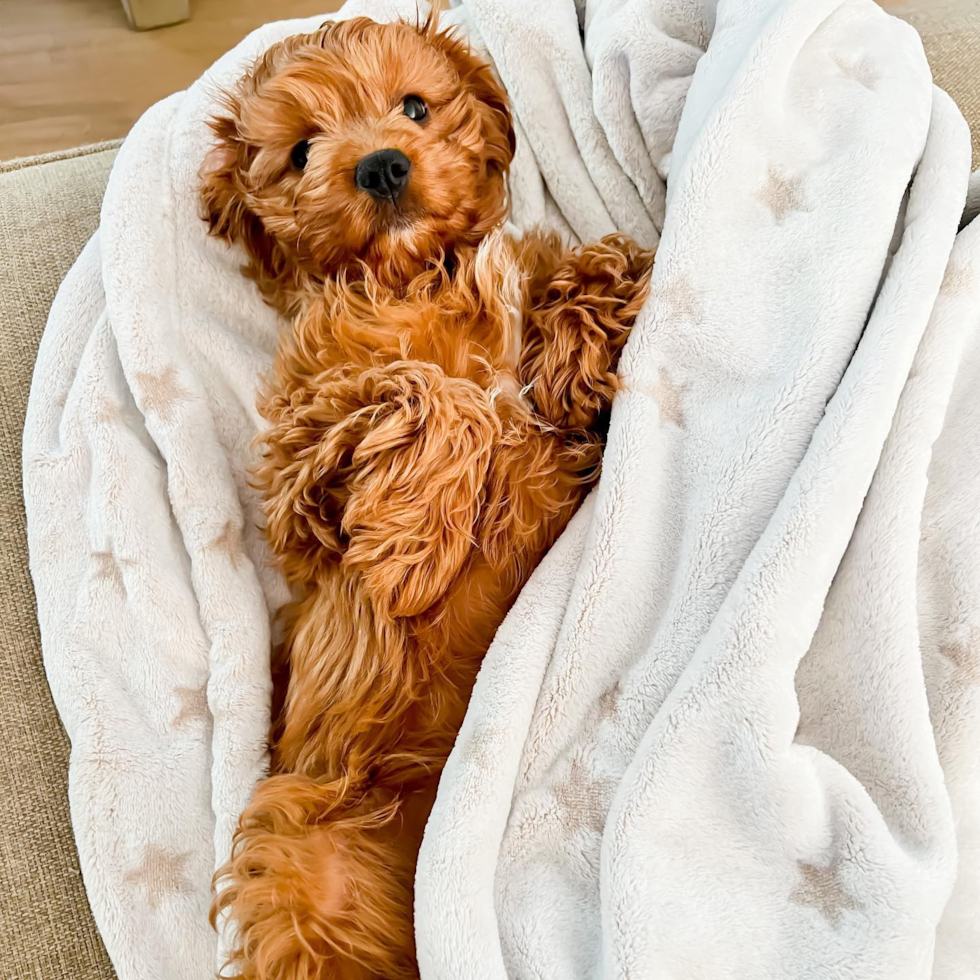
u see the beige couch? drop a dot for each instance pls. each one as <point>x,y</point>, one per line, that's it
<point>48,208</point>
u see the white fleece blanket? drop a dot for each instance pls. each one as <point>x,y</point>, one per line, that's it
<point>730,728</point>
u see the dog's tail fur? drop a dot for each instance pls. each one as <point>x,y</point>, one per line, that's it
<point>319,882</point>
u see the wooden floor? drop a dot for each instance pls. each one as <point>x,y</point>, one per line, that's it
<point>72,71</point>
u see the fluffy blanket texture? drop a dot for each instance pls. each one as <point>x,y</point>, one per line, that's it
<point>730,728</point>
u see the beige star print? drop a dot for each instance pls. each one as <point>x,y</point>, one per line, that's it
<point>107,410</point>
<point>964,655</point>
<point>108,569</point>
<point>609,703</point>
<point>680,301</point>
<point>480,748</point>
<point>958,280</point>
<point>582,800</point>
<point>823,890</point>
<point>669,398</point>
<point>193,705</point>
<point>863,71</point>
<point>160,874</point>
<point>161,392</point>
<point>229,544</point>
<point>781,194</point>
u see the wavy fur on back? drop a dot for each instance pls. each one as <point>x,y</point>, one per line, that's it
<point>435,418</point>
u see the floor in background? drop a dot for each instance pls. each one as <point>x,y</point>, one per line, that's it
<point>72,71</point>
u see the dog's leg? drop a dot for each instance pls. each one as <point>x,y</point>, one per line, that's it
<point>374,480</point>
<point>320,885</point>
<point>582,312</point>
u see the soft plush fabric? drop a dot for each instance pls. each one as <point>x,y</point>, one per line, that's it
<point>48,208</point>
<point>627,798</point>
<point>729,729</point>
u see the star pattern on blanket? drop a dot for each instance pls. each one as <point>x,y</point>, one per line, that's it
<point>193,706</point>
<point>161,873</point>
<point>669,396</point>
<point>679,300</point>
<point>161,392</point>
<point>863,71</point>
<point>781,194</point>
<point>229,544</point>
<point>480,747</point>
<point>582,800</point>
<point>608,703</point>
<point>107,411</point>
<point>958,279</point>
<point>964,655</point>
<point>107,568</point>
<point>823,890</point>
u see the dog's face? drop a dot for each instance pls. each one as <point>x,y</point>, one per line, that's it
<point>363,144</point>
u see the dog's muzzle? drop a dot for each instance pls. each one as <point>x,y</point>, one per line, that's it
<point>384,175</point>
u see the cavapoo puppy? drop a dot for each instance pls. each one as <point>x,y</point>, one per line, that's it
<point>436,417</point>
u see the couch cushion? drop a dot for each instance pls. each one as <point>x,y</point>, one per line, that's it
<point>48,209</point>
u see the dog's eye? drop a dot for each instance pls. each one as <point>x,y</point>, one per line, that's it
<point>300,152</point>
<point>415,108</point>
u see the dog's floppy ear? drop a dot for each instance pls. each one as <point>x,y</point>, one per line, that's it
<point>501,139</point>
<point>222,182</point>
<point>478,78</point>
<point>228,211</point>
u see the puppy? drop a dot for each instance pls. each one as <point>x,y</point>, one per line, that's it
<point>435,418</point>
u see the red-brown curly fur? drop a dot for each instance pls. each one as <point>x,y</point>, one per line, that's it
<point>436,417</point>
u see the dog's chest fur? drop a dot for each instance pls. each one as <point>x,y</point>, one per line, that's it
<point>469,321</point>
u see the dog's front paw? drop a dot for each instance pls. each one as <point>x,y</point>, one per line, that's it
<point>578,328</point>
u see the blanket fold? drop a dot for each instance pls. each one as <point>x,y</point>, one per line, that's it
<point>729,727</point>
<point>736,765</point>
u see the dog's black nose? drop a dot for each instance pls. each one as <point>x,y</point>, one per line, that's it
<point>384,175</point>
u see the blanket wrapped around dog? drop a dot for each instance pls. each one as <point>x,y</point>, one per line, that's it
<point>729,729</point>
